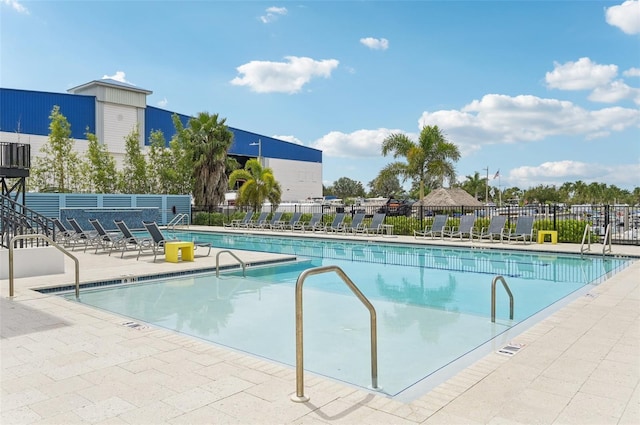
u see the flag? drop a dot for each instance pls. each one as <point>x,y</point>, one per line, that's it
<point>496,175</point>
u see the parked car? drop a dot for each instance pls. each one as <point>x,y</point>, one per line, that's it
<point>395,207</point>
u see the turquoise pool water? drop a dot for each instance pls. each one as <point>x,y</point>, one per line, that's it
<point>433,304</point>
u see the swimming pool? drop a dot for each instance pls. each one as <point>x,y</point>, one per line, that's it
<point>433,303</point>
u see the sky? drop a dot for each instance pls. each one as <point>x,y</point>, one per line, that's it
<point>531,92</point>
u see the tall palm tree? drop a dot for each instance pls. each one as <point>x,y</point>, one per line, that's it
<point>209,140</point>
<point>430,159</point>
<point>259,185</point>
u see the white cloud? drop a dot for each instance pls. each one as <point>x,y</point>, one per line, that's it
<point>558,172</point>
<point>375,43</point>
<point>505,119</point>
<point>163,103</point>
<point>290,139</point>
<point>273,13</point>
<point>632,72</point>
<point>580,75</point>
<point>16,5</point>
<point>283,77</point>
<point>587,75</point>
<point>625,16</point>
<point>359,144</point>
<point>118,76</point>
<point>615,92</point>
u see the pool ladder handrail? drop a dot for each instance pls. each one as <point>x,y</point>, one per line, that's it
<point>586,237</point>
<point>493,297</point>
<point>607,240</point>
<point>299,396</point>
<point>178,219</point>
<point>242,263</point>
<point>50,242</point>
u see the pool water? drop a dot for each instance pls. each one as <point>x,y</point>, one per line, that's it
<point>433,304</point>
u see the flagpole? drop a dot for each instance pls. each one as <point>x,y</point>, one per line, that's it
<point>486,186</point>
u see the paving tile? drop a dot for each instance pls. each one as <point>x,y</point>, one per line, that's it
<point>104,409</point>
<point>22,398</point>
<point>608,389</point>
<point>191,399</point>
<point>525,407</point>
<point>570,369</point>
<point>153,413</point>
<point>67,418</point>
<point>207,415</point>
<point>226,386</point>
<point>18,416</point>
<point>590,409</point>
<point>555,386</point>
<point>142,395</point>
<point>617,373</point>
<point>60,404</point>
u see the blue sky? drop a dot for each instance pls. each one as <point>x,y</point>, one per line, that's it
<point>544,91</point>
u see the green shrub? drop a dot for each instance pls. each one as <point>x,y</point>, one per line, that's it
<point>209,219</point>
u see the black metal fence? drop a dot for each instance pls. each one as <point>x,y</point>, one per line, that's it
<point>569,221</point>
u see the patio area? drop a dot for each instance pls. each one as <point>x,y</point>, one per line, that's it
<point>66,363</point>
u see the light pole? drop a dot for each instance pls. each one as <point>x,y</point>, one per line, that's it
<point>259,144</point>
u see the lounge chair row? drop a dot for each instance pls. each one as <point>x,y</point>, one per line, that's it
<point>122,240</point>
<point>358,224</point>
<point>466,230</point>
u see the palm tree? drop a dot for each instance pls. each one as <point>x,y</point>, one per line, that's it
<point>428,160</point>
<point>473,184</point>
<point>259,185</point>
<point>209,140</point>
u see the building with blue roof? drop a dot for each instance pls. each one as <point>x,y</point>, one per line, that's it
<point>111,109</point>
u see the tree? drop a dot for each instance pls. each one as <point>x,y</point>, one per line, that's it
<point>513,194</point>
<point>344,187</point>
<point>208,140</point>
<point>163,174</point>
<point>385,184</point>
<point>58,167</point>
<point>100,166</point>
<point>474,184</point>
<point>133,177</point>
<point>259,185</point>
<point>430,159</point>
<point>543,194</point>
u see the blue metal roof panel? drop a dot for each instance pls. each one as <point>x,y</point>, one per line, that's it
<point>160,119</point>
<point>28,112</point>
<point>245,143</point>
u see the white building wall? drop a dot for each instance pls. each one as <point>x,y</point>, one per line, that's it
<point>299,180</point>
<point>36,142</point>
<point>118,121</point>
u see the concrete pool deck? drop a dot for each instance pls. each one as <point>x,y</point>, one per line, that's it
<point>65,363</point>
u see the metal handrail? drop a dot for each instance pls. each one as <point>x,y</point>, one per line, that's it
<point>607,240</point>
<point>493,297</point>
<point>606,243</point>
<point>299,397</point>
<point>242,263</point>
<point>177,220</point>
<point>586,236</point>
<point>51,242</point>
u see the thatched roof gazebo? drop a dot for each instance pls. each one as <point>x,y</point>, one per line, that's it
<point>451,197</point>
